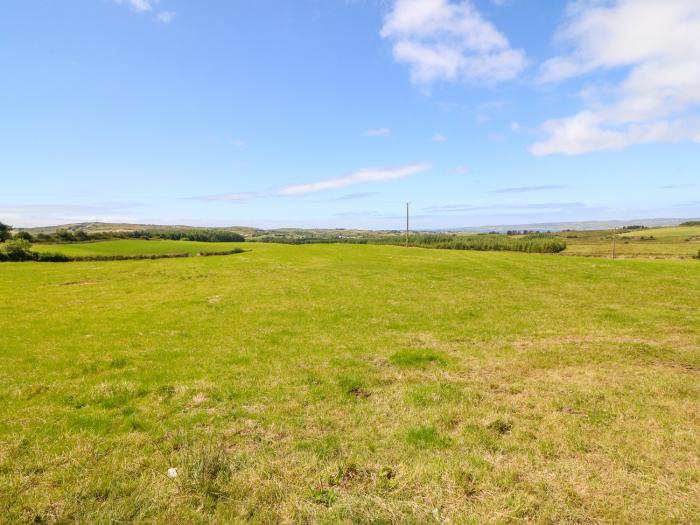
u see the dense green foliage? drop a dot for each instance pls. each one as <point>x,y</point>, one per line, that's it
<point>199,235</point>
<point>531,243</point>
<point>5,232</point>
<point>342,384</point>
<point>691,223</point>
<point>190,234</point>
<point>120,250</point>
<point>16,250</point>
<point>24,235</point>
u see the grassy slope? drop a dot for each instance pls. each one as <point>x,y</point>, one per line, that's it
<point>134,247</point>
<point>667,242</point>
<point>348,384</point>
<point>680,232</point>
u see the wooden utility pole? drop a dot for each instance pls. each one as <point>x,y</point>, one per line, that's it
<point>408,206</point>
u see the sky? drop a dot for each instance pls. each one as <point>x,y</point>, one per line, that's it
<point>335,113</point>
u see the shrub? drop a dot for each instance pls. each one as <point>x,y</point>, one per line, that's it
<point>5,232</point>
<point>26,236</point>
<point>17,250</point>
<point>52,257</point>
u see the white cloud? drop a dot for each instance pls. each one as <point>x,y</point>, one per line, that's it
<point>439,137</point>
<point>515,126</point>
<point>239,143</point>
<point>377,132</point>
<point>656,43</point>
<point>139,5</point>
<point>165,17</point>
<point>358,177</point>
<point>441,40</point>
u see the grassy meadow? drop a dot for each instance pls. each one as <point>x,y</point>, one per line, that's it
<point>350,384</point>
<point>681,242</point>
<point>132,247</point>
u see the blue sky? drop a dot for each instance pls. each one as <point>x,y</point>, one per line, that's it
<point>332,113</point>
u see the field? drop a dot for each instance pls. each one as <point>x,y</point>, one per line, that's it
<point>350,384</point>
<point>133,247</point>
<point>676,242</point>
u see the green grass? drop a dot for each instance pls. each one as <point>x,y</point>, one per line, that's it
<point>134,247</point>
<point>350,384</point>
<point>672,242</point>
<point>678,232</point>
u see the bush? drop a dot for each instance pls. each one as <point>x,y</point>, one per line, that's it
<point>17,250</point>
<point>26,236</point>
<point>52,257</point>
<point>5,232</point>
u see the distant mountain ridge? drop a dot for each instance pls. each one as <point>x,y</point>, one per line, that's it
<point>93,227</point>
<point>574,225</point>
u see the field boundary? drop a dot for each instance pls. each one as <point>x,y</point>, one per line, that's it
<point>62,258</point>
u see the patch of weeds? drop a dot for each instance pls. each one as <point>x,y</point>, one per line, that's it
<point>433,394</point>
<point>322,496</point>
<point>115,395</point>
<point>118,362</point>
<point>347,473</point>
<point>98,424</point>
<point>166,392</point>
<point>386,478</point>
<point>417,358</point>
<point>479,437</point>
<point>600,416</point>
<point>205,470</point>
<point>426,437</point>
<point>74,401</point>
<point>29,391</point>
<point>468,482</point>
<point>353,386</point>
<point>326,447</point>
<point>500,426</point>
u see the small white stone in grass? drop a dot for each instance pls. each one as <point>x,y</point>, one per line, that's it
<point>172,472</point>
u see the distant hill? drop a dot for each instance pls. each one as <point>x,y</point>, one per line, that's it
<point>94,227</point>
<point>581,226</point>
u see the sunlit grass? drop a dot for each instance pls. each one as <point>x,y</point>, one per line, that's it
<point>350,384</point>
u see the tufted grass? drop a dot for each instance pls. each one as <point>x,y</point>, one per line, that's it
<point>351,384</point>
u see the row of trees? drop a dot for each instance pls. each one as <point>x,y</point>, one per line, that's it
<point>67,236</point>
<point>532,243</point>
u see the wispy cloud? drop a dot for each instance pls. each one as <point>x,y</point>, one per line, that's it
<point>239,143</point>
<point>52,214</point>
<point>165,17</point>
<point>462,208</point>
<point>359,177</point>
<point>439,137</point>
<point>525,189</point>
<point>377,132</point>
<point>371,175</point>
<point>139,5</point>
<point>442,40</point>
<point>354,196</point>
<point>677,186</point>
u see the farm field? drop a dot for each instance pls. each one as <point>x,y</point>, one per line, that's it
<point>676,242</point>
<point>350,384</point>
<point>133,247</point>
